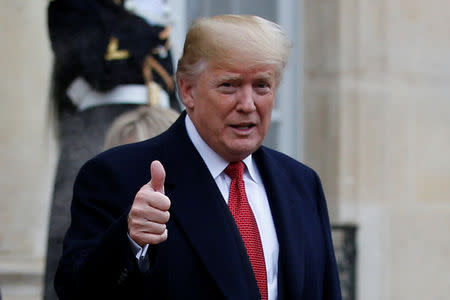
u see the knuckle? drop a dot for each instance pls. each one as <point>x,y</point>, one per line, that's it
<point>135,236</point>
<point>133,212</point>
<point>136,212</point>
<point>165,234</point>
<point>131,224</point>
<point>166,216</point>
<point>157,216</point>
<point>132,219</point>
<point>155,201</point>
<point>160,201</point>
<point>162,237</point>
<point>165,203</point>
<point>155,239</point>
<point>140,194</point>
<point>160,228</point>
<point>143,194</point>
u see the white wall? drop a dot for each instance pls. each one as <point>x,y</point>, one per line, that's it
<point>377,98</point>
<point>27,151</point>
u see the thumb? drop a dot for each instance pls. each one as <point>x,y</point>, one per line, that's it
<point>158,175</point>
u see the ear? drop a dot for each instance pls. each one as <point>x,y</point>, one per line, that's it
<point>186,92</point>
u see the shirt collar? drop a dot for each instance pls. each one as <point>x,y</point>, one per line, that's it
<point>215,163</point>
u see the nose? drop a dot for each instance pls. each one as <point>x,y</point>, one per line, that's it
<point>246,100</point>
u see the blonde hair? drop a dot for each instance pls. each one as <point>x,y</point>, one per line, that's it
<point>230,40</point>
<point>138,125</point>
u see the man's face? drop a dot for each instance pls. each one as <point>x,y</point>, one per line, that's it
<point>231,107</point>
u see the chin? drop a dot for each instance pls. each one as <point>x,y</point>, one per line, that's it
<point>240,153</point>
<point>240,148</point>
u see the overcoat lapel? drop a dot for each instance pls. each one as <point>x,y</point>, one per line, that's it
<point>283,200</point>
<point>199,207</point>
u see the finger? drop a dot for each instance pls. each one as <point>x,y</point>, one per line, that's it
<point>144,238</point>
<point>148,197</point>
<point>158,176</point>
<point>159,201</point>
<point>152,239</point>
<point>148,212</point>
<point>148,227</point>
<point>155,215</point>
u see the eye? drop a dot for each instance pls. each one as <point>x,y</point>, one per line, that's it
<point>227,87</point>
<point>262,87</point>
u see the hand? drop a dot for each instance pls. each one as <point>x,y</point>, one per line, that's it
<point>150,210</point>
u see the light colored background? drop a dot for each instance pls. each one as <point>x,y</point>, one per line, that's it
<point>27,149</point>
<point>376,125</point>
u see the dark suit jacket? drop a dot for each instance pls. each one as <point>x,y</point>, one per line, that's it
<point>204,257</point>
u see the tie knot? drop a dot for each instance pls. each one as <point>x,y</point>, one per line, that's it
<point>235,170</point>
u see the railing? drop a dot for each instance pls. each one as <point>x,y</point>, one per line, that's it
<point>344,239</point>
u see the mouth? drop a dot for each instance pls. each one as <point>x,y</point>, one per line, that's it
<point>243,127</point>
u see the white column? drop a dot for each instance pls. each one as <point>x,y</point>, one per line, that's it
<point>27,152</point>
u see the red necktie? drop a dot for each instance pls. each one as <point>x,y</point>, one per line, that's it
<point>246,223</point>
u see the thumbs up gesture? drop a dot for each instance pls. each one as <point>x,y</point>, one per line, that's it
<point>150,210</point>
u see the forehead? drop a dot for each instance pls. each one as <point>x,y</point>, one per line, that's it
<point>240,71</point>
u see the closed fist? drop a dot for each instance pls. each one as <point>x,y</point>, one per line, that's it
<point>150,210</point>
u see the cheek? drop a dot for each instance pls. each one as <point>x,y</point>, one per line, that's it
<point>265,110</point>
<point>221,109</point>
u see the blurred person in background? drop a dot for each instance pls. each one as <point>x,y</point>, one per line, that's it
<point>110,57</point>
<point>139,125</point>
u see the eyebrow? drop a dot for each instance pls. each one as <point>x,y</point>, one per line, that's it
<point>228,77</point>
<point>233,77</point>
<point>264,76</point>
<point>225,78</point>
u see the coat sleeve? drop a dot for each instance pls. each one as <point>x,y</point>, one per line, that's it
<point>97,260</point>
<point>331,285</point>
